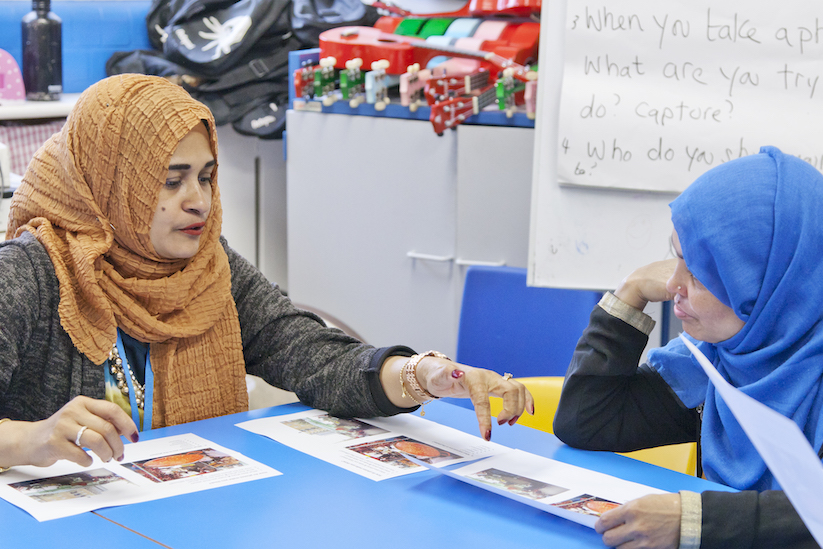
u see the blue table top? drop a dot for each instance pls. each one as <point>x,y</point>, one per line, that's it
<point>18,530</point>
<point>316,504</point>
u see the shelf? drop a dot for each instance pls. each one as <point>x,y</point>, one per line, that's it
<point>29,110</point>
<point>489,117</point>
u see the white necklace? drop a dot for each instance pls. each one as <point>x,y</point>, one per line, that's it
<point>118,368</point>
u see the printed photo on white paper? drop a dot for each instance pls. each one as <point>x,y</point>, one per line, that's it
<point>574,493</point>
<point>152,469</point>
<point>373,448</point>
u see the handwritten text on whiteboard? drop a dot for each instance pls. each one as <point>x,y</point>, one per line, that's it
<point>656,93</point>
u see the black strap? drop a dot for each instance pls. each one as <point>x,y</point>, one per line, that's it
<point>257,69</point>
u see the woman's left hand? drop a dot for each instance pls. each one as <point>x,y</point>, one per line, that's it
<point>444,378</point>
<point>650,522</point>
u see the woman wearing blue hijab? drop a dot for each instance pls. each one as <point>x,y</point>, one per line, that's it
<point>747,284</point>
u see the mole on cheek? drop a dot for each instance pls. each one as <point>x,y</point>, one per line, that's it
<point>162,209</point>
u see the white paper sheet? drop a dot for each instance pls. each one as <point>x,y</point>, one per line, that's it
<point>656,93</point>
<point>780,443</point>
<point>574,493</point>
<point>373,448</point>
<point>152,469</point>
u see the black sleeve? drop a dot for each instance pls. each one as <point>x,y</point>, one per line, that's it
<point>609,403</point>
<point>20,301</point>
<point>373,377</point>
<point>752,520</point>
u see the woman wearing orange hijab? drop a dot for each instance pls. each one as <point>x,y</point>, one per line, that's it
<point>122,309</point>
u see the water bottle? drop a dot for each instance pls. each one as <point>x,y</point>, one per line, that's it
<point>42,53</point>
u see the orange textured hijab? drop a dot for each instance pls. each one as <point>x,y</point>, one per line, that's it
<point>89,196</point>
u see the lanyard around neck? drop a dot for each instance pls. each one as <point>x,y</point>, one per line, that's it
<point>148,388</point>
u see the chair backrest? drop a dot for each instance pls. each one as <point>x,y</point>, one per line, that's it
<point>506,325</point>
<point>546,393</point>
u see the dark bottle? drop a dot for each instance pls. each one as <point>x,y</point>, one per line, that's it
<point>42,53</point>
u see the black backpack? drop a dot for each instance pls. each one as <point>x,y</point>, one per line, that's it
<point>233,55</point>
<point>311,17</point>
<point>212,37</point>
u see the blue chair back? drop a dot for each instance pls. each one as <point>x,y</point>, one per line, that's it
<point>508,326</point>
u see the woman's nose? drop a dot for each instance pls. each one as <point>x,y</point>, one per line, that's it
<point>198,197</point>
<point>675,285</point>
<point>671,286</point>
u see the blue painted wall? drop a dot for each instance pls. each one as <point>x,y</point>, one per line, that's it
<point>92,31</point>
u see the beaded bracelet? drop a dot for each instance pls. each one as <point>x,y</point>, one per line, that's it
<point>408,374</point>
<point>2,421</point>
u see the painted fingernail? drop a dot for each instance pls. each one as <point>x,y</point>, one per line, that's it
<point>457,374</point>
<point>135,437</point>
<point>514,420</point>
<point>501,421</point>
<point>488,436</point>
<point>121,458</point>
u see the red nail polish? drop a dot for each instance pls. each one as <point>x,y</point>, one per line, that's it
<point>488,436</point>
<point>500,422</point>
<point>514,420</point>
<point>135,437</point>
<point>121,458</point>
<point>457,374</point>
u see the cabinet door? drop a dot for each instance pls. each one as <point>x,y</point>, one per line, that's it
<point>236,176</point>
<point>253,193</point>
<point>364,193</point>
<point>494,184</point>
<point>271,200</point>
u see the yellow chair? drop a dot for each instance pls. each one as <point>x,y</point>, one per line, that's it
<point>546,393</point>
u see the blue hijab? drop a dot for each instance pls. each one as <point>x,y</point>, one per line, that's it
<point>751,231</point>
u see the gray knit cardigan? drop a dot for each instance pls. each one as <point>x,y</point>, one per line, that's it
<point>41,370</point>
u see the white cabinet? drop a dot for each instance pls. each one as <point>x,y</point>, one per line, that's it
<point>383,216</point>
<point>494,185</point>
<point>252,179</point>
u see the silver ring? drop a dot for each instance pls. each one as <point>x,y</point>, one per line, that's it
<point>79,434</point>
<point>507,376</point>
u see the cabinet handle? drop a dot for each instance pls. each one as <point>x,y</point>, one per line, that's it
<point>468,262</point>
<point>429,257</point>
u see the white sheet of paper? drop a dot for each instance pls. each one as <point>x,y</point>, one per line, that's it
<point>781,444</point>
<point>656,93</point>
<point>373,448</point>
<point>65,489</point>
<point>571,492</point>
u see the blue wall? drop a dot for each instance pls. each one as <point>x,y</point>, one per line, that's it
<point>92,31</point>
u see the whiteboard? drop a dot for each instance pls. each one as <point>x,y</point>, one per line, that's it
<point>582,237</point>
<point>637,98</point>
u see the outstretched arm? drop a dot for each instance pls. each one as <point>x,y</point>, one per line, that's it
<point>711,520</point>
<point>440,377</point>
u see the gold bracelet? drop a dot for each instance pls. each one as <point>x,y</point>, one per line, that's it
<point>2,421</point>
<point>408,373</point>
<point>409,395</point>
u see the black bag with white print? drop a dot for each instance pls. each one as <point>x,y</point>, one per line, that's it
<point>212,37</point>
<point>232,55</point>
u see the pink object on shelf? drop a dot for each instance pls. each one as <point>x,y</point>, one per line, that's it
<point>11,81</point>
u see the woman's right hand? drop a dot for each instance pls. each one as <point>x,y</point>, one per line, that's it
<point>648,283</point>
<point>44,442</point>
<point>649,522</point>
